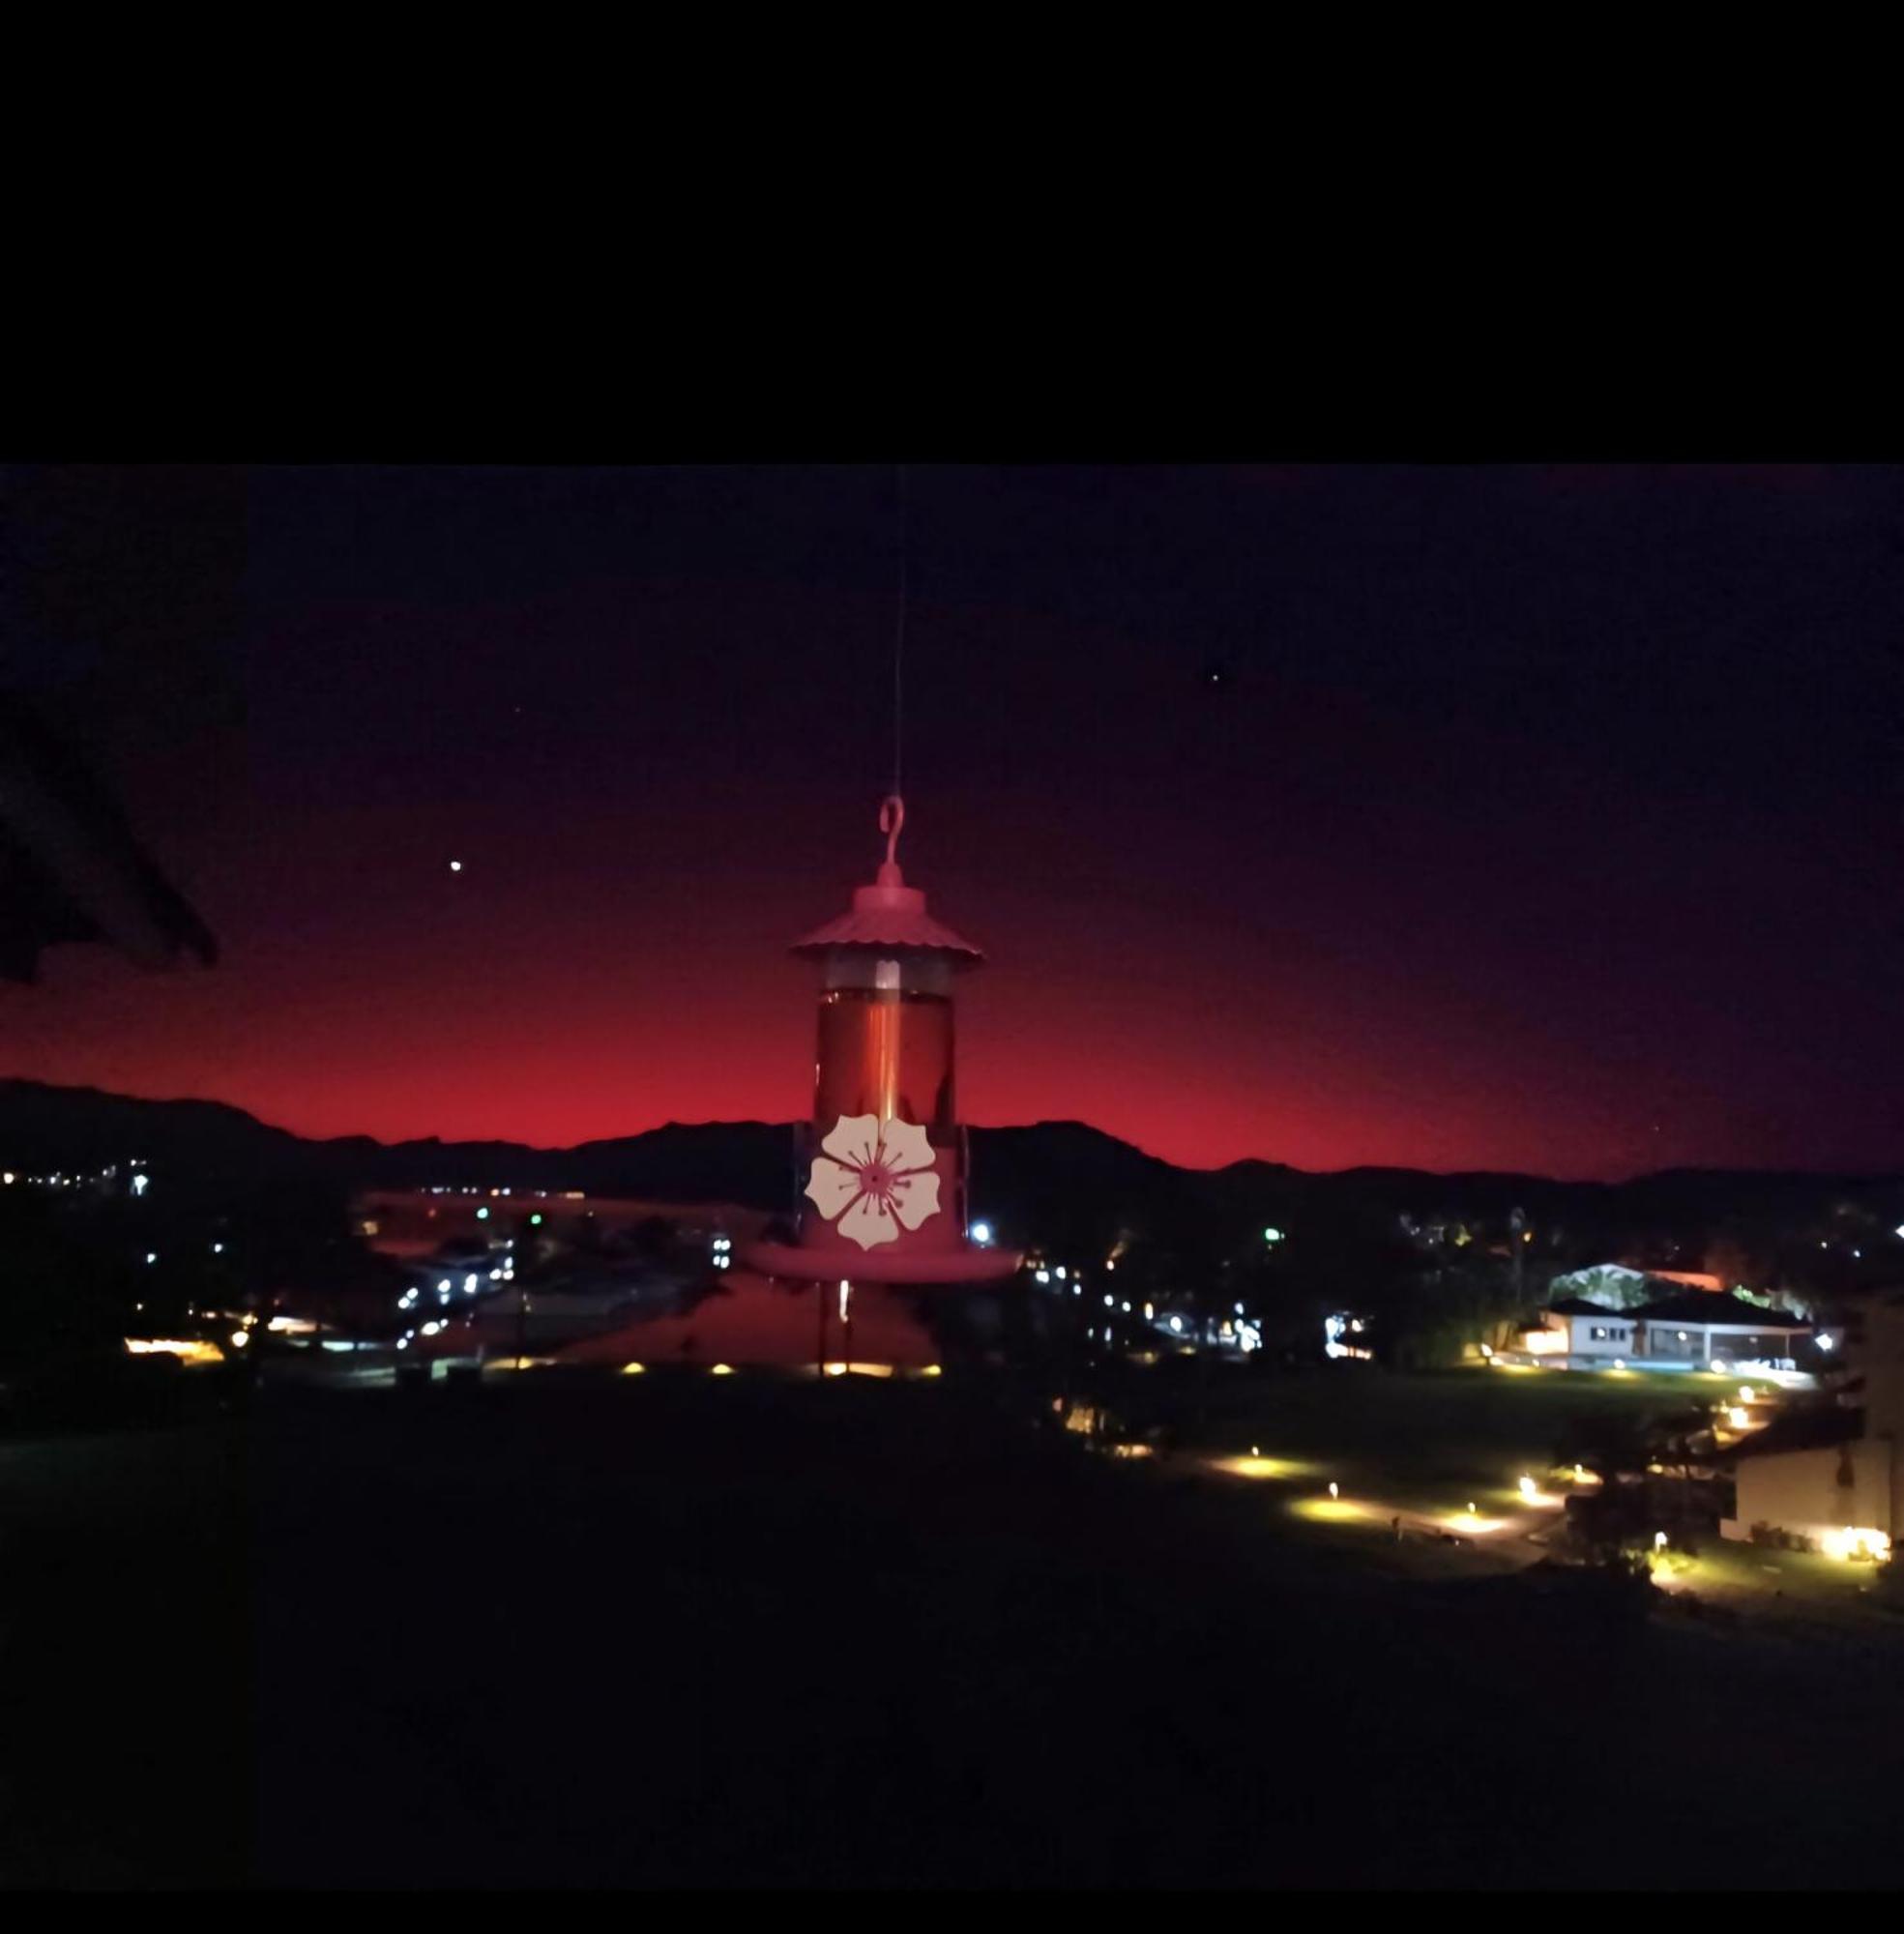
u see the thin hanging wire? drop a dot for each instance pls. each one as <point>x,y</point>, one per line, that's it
<point>899,643</point>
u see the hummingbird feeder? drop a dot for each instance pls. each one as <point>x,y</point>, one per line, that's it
<point>884,1193</point>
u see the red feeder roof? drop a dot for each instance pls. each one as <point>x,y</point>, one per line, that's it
<point>888,913</point>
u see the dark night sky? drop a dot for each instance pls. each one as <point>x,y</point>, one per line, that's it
<point>1541,818</point>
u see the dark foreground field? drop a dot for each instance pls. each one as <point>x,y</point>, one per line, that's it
<point>729,1632</point>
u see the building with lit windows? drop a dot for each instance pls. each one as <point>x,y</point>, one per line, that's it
<point>1702,1326</point>
<point>1697,1327</point>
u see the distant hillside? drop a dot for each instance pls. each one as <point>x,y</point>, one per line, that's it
<point>1042,1177</point>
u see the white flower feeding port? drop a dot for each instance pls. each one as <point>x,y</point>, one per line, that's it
<point>885,1157</point>
<point>873,1180</point>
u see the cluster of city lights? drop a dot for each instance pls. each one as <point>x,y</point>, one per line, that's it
<point>723,1251</point>
<point>1335,1328</point>
<point>59,1179</point>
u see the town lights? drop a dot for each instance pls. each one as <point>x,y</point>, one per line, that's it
<point>1738,1418</point>
<point>189,1351</point>
<point>1272,1235</point>
<point>982,1234</point>
<point>482,1214</point>
<point>1527,1490</point>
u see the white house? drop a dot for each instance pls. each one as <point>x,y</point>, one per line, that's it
<point>1695,1327</point>
<point>1577,1330</point>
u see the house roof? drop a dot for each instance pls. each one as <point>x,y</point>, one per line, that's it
<point>1580,1306</point>
<point>1704,1306</point>
<point>1814,1427</point>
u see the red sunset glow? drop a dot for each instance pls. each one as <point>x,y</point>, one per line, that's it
<point>1406,877</point>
